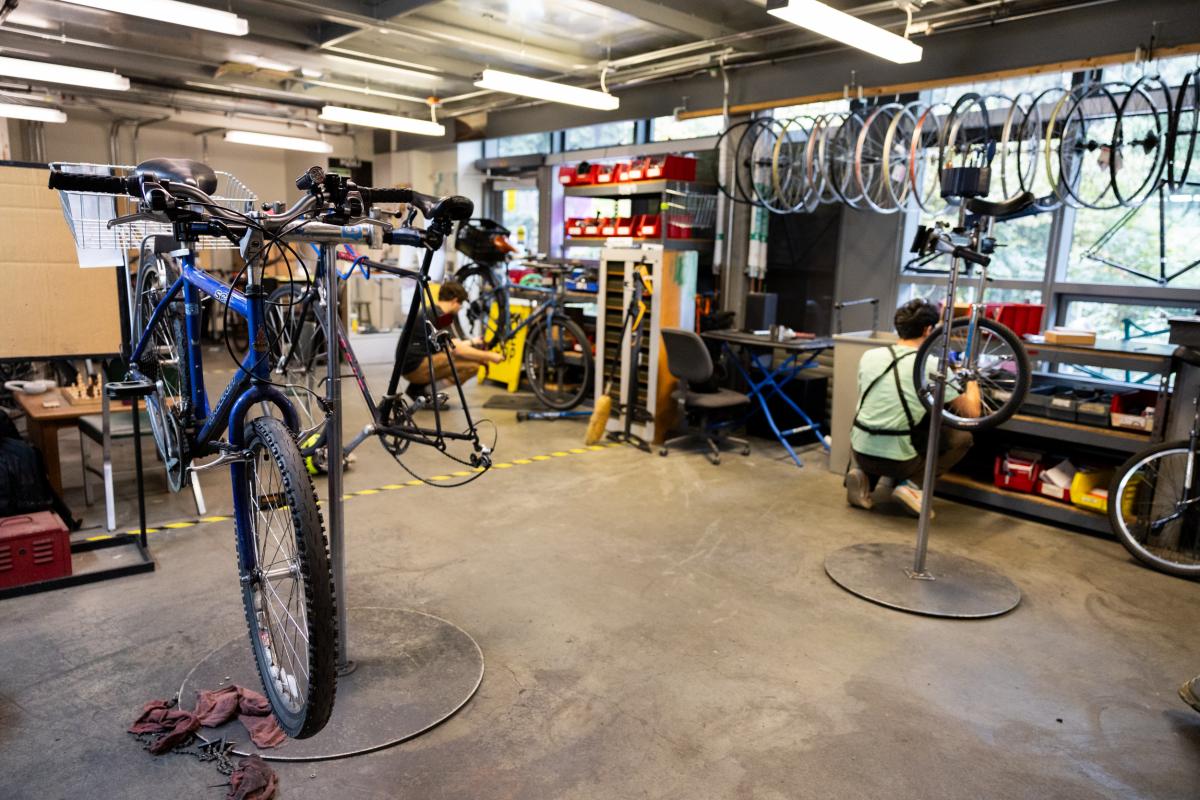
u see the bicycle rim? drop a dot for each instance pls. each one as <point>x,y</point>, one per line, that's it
<point>1153,515</point>
<point>162,361</point>
<point>990,354</point>
<point>558,363</point>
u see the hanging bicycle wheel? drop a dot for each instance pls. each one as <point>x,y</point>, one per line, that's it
<point>163,362</point>
<point>871,166</point>
<point>763,158</point>
<point>1032,174</point>
<point>288,596</point>
<point>558,363</point>
<point>1011,144</point>
<point>968,139</point>
<point>788,167</point>
<point>896,154</point>
<point>1139,142</point>
<point>838,158</point>
<point>1086,150</point>
<point>1153,513</point>
<point>814,167</point>
<point>988,354</point>
<point>728,182</point>
<point>924,152</point>
<point>751,165</point>
<point>1184,130</point>
<point>485,314</point>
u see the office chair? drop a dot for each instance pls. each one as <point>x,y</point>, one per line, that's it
<point>689,361</point>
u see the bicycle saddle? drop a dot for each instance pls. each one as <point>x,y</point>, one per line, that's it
<point>453,207</point>
<point>182,170</point>
<point>1001,209</point>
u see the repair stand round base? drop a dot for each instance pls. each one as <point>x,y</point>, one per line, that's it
<point>413,671</point>
<point>952,586</point>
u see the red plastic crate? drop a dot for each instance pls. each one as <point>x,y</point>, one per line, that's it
<point>574,226</point>
<point>566,175</point>
<point>672,168</point>
<point>624,227</point>
<point>648,226</point>
<point>607,173</point>
<point>637,170</point>
<point>1020,318</point>
<point>33,547</point>
<point>591,227</point>
<point>1017,473</point>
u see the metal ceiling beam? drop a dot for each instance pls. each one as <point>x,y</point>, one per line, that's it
<point>684,22</point>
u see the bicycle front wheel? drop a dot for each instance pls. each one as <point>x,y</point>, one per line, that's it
<point>988,353</point>
<point>485,314</point>
<point>1153,512</point>
<point>288,595</point>
<point>558,363</point>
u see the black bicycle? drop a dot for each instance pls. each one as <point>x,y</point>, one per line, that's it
<point>558,360</point>
<point>1154,498</point>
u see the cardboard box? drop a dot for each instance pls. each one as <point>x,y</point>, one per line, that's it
<point>1067,336</point>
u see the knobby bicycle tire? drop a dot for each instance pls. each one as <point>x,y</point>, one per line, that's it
<point>301,711</point>
<point>1128,488</point>
<point>1006,406</point>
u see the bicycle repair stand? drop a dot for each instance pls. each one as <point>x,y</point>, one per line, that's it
<point>411,670</point>
<point>936,584</point>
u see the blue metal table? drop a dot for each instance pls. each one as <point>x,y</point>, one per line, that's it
<point>758,356</point>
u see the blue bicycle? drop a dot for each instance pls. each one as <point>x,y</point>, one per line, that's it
<point>283,556</point>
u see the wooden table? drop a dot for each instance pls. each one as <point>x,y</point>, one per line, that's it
<point>44,424</point>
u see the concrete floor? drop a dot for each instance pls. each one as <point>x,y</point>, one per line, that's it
<point>652,628</point>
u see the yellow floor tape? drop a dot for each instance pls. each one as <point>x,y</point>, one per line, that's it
<point>387,487</point>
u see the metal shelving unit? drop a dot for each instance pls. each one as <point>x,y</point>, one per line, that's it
<point>692,204</point>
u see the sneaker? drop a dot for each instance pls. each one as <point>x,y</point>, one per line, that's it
<point>1190,692</point>
<point>908,494</point>
<point>858,489</point>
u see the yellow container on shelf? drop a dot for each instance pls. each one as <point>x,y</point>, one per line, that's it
<point>1089,488</point>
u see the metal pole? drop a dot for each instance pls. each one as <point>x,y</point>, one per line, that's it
<point>333,444</point>
<point>935,419</point>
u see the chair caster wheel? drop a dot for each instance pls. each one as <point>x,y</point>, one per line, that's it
<point>746,450</point>
<point>662,451</point>
<point>716,462</point>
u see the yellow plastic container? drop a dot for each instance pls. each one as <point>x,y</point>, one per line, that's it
<point>1089,489</point>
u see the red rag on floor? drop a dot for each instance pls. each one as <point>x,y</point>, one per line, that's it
<point>252,780</point>
<point>251,708</point>
<point>175,725</point>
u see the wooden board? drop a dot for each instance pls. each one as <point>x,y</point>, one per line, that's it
<point>49,306</point>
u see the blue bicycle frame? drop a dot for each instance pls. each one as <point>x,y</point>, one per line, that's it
<point>250,384</point>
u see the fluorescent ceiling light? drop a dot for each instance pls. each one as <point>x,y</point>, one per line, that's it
<point>177,13</point>
<point>356,66</point>
<point>278,142</point>
<point>36,113</point>
<point>390,122</point>
<point>262,63</point>
<point>57,73</point>
<point>499,81</point>
<point>309,72</point>
<point>822,19</point>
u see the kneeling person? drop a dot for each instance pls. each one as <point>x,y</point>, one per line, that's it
<point>463,358</point>
<point>891,427</point>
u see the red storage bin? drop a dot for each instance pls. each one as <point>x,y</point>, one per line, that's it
<point>637,170</point>
<point>648,226</point>
<point>591,227</point>
<point>583,174</point>
<point>1018,472</point>
<point>679,226</point>
<point>574,226</point>
<point>624,227</point>
<point>1134,409</point>
<point>1020,318</point>
<point>672,168</point>
<point>607,173</point>
<point>566,175</point>
<point>33,547</point>
<point>622,173</point>
<point>608,227</point>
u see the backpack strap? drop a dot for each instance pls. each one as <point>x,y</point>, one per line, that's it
<point>893,368</point>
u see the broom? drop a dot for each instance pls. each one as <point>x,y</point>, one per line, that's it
<point>603,409</point>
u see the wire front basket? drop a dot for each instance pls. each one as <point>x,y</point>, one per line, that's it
<point>88,213</point>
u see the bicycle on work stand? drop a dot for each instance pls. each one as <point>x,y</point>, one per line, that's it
<point>283,560</point>
<point>297,315</point>
<point>558,360</point>
<point>976,349</point>
<point>1154,497</point>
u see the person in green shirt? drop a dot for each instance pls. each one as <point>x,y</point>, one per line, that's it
<point>891,426</point>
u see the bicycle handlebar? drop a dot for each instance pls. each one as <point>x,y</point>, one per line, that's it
<point>99,184</point>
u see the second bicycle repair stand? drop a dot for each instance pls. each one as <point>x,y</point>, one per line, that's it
<point>629,410</point>
<point>410,670</point>
<point>911,578</point>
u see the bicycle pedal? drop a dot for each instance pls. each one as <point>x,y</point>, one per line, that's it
<point>128,389</point>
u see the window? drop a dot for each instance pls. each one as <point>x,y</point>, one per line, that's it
<point>1135,244</point>
<point>669,129</point>
<point>606,134</point>
<point>1144,322</point>
<point>520,145</point>
<point>519,213</point>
